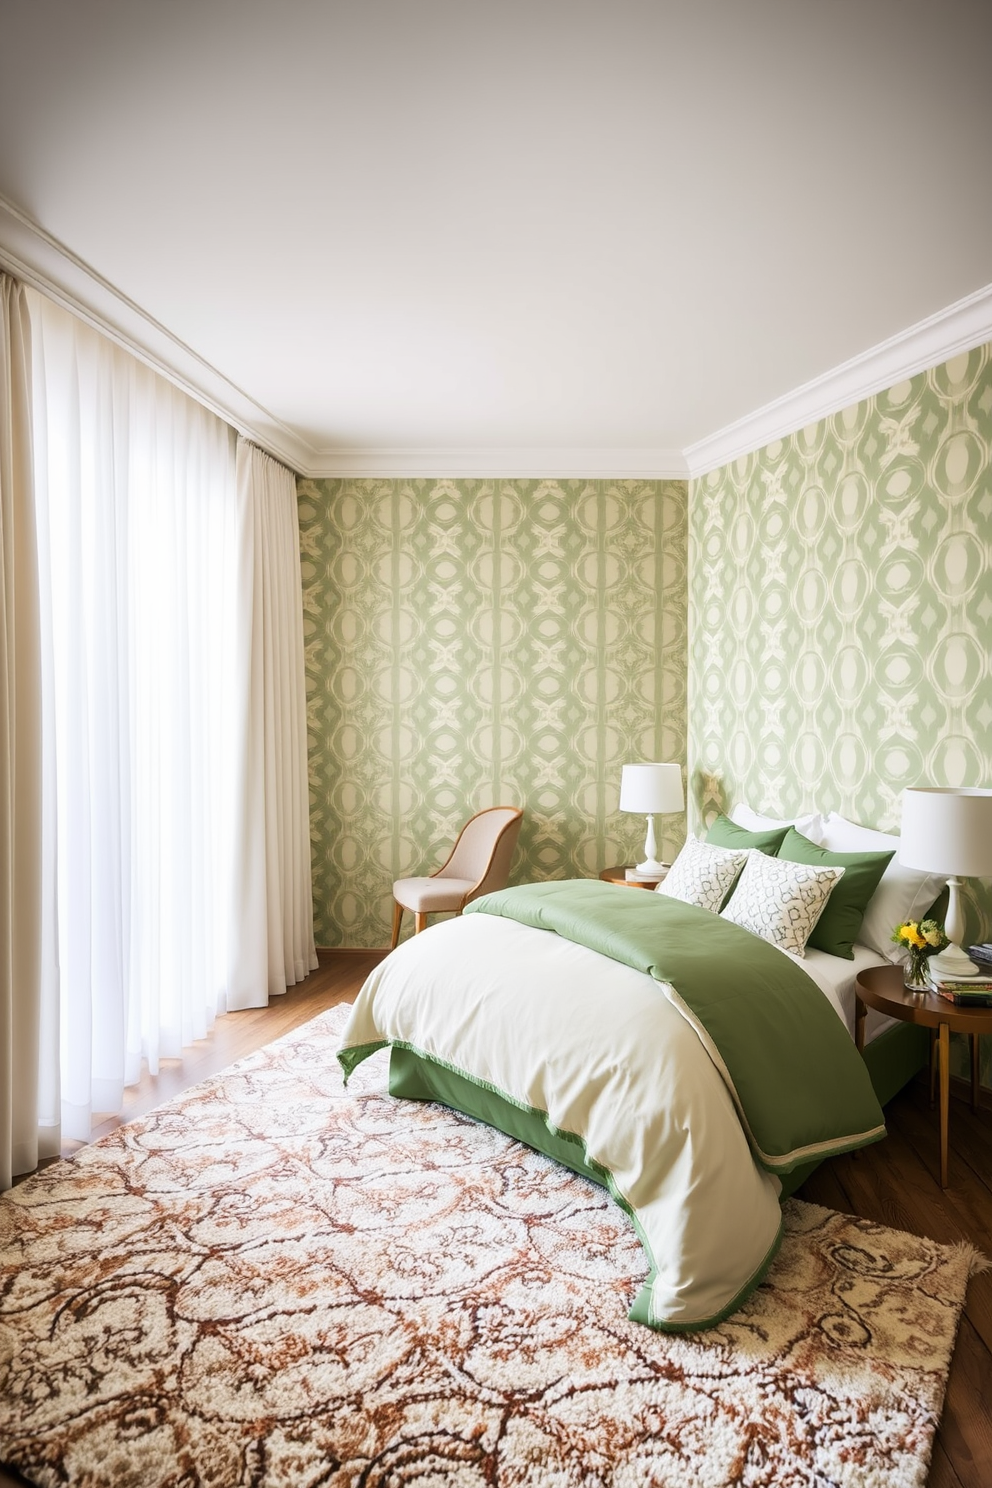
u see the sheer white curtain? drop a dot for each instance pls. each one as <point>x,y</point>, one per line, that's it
<point>273,903</point>
<point>29,1106</point>
<point>136,506</point>
<point>143,530</point>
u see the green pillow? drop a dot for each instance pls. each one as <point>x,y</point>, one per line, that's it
<point>725,833</point>
<point>837,928</point>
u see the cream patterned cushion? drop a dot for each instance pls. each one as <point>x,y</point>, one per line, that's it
<point>781,901</point>
<point>703,874</point>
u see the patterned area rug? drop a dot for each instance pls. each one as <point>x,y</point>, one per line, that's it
<point>271,1281</point>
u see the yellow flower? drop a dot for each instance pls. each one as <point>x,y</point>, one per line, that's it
<point>914,937</point>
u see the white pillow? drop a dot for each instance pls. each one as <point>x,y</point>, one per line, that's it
<point>703,873</point>
<point>902,894</point>
<point>781,901</point>
<point>754,821</point>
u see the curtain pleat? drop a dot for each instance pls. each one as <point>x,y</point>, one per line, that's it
<point>29,1128</point>
<point>272,944</point>
<point>136,498</point>
<point>152,705</point>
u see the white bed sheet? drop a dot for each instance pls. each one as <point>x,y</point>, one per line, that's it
<point>835,978</point>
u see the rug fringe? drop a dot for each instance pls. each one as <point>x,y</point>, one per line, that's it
<point>974,1259</point>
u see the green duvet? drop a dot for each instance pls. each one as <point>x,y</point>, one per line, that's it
<point>669,1054</point>
<point>801,1090</point>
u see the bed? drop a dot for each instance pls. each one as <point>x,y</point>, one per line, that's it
<point>581,1043</point>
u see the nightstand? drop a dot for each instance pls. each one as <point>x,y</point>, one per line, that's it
<point>882,987</point>
<point>618,875</point>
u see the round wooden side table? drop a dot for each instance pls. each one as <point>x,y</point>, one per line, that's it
<point>618,875</point>
<point>882,987</point>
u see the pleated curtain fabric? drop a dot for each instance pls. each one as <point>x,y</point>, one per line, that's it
<point>154,808</point>
<point>136,524</point>
<point>172,559</point>
<point>29,1120</point>
<point>272,910</point>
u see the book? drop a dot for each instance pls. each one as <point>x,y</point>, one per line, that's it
<point>981,953</point>
<point>968,999</point>
<point>963,986</point>
<point>632,875</point>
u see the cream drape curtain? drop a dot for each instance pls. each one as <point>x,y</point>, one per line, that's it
<point>154,811</point>
<point>272,908</point>
<point>178,713</point>
<point>29,1128</point>
<point>136,503</point>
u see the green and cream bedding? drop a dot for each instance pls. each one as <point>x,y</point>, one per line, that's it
<point>683,1061</point>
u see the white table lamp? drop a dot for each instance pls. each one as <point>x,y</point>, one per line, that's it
<point>651,790</point>
<point>949,832</point>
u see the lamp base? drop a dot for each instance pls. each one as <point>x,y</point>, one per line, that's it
<point>651,868</point>
<point>952,962</point>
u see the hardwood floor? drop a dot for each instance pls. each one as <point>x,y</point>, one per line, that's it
<point>895,1183</point>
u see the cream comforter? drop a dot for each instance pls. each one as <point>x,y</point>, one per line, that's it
<point>594,1044</point>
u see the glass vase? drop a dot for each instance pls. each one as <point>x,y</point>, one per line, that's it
<point>916,975</point>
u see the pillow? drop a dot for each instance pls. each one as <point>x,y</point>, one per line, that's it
<point>781,901</point>
<point>754,821</point>
<point>902,894</point>
<point>725,833</point>
<point>837,928</point>
<point>702,874</point>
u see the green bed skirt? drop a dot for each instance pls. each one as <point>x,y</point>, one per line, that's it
<point>892,1059</point>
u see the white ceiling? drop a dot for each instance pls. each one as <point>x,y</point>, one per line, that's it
<point>410,233</point>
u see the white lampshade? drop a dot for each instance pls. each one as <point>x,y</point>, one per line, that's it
<point>647,789</point>
<point>947,831</point>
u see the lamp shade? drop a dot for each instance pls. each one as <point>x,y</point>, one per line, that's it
<point>947,831</point>
<point>647,789</point>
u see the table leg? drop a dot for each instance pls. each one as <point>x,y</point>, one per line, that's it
<point>933,1068</point>
<point>975,1057</point>
<point>944,1052</point>
<point>860,1013</point>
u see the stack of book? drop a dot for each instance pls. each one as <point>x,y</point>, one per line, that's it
<point>973,991</point>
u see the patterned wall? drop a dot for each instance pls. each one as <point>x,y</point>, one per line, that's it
<point>841,610</point>
<point>470,643</point>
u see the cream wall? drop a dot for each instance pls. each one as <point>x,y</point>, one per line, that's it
<point>479,642</point>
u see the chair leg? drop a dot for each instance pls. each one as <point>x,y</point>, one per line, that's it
<point>419,922</point>
<point>397,918</point>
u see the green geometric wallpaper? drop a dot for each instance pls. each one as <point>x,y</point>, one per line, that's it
<point>841,606</point>
<point>841,611</point>
<point>472,643</point>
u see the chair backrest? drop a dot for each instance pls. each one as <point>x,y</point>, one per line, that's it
<point>484,849</point>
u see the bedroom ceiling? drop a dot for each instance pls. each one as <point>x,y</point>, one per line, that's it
<point>407,227</point>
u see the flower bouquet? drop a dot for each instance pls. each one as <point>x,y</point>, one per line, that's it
<point>922,939</point>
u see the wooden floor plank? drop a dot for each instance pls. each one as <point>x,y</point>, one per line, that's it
<point>942,1474</point>
<point>966,1422</point>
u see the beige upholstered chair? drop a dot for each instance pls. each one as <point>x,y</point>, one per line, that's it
<point>478,864</point>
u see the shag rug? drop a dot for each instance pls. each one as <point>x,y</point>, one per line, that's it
<point>274,1281</point>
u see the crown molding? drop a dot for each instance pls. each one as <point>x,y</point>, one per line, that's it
<point>960,327</point>
<point>38,259</point>
<point>497,463</point>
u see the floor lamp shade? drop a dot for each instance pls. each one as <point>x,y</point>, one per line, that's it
<point>949,832</point>
<point>651,790</point>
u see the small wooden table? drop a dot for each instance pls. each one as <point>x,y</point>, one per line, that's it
<point>618,875</point>
<point>882,987</point>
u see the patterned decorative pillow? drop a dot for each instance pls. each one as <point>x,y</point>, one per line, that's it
<point>703,874</point>
<point>781,901</point>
